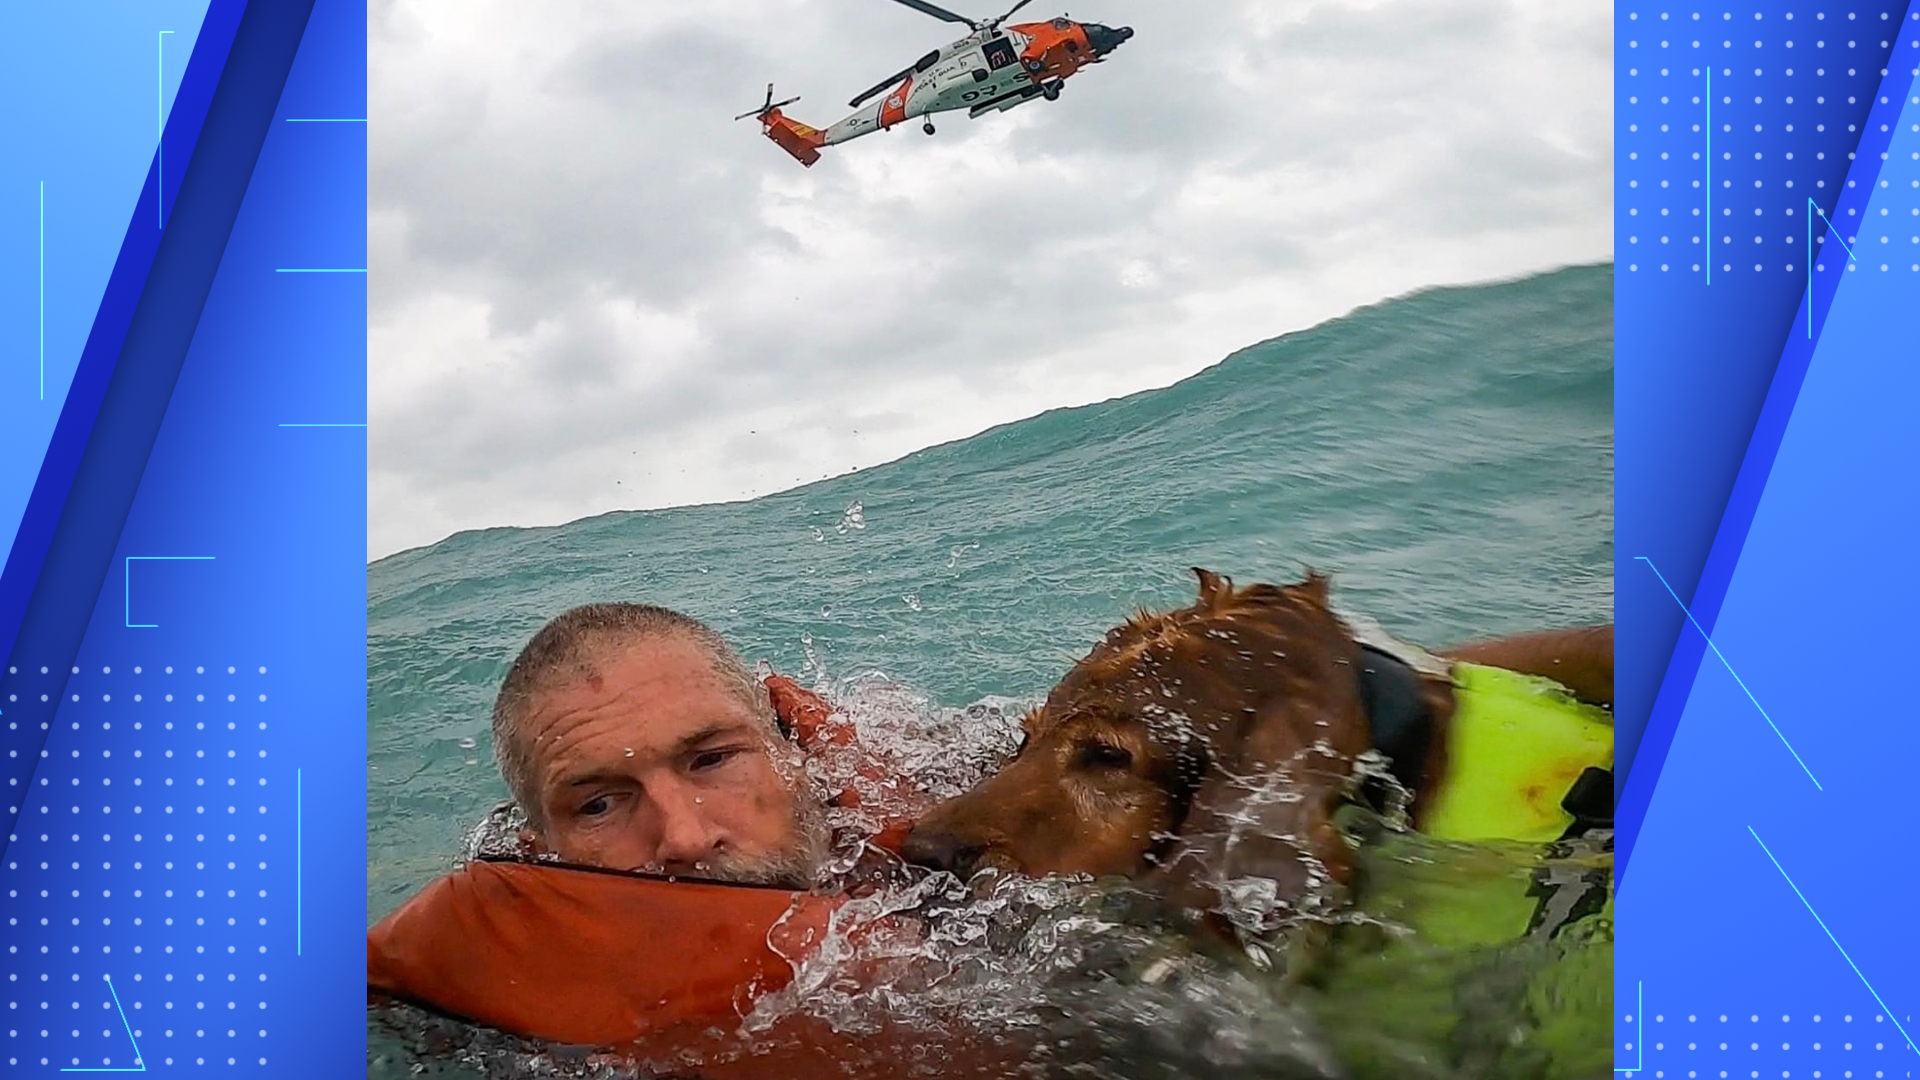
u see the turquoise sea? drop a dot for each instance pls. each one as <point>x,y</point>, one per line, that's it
<point>1447,456</point>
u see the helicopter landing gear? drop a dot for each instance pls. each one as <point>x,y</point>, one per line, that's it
<point>1051,91</point>
<point>927,127</point>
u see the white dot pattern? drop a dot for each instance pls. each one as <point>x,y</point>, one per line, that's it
<point>1819,1045</point>
<point>1718,180</point>
<point>149,841</point>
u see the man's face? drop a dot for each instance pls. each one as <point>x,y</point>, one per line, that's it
<point>652,763</point>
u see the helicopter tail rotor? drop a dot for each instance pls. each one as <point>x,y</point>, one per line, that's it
<point>768,106</point>
<point>798,139</point>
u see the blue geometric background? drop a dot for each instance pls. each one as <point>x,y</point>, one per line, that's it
<point>88,90</point>
<point>1764,438</point>
<point>183,605</point>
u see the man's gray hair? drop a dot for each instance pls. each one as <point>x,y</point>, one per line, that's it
<point>568,649</point>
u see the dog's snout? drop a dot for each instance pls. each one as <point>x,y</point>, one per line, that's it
<point>941,850</point>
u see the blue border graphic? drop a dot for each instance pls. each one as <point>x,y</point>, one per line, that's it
<point>1752,419</point>
<point>156,768</point>
<point>1761,386</point>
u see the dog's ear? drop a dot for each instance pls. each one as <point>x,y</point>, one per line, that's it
<point>1255,820</point>
<point>1317,587</point>
<point>1215,589</point>
<point>1265,806</point>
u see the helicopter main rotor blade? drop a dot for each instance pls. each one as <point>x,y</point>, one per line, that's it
<point>880,87</point>
<point>938,12</point>
<point>1010,11</point>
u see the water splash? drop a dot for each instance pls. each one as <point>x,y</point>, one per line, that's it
<point>812,663</point>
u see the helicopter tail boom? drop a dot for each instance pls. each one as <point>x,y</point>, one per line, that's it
<point>798,139</point>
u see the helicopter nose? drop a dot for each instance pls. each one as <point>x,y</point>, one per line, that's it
<point>1105,39</point>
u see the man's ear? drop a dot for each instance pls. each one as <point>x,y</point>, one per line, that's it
<point>531,844</point>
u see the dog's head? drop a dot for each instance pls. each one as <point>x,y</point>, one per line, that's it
<point>1235,719</point>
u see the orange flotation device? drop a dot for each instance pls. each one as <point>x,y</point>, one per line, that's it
<point>617,959</point>
<point>818,729</point>
<point>578,955</point>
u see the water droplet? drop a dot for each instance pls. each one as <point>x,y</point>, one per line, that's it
<point>629,751</point>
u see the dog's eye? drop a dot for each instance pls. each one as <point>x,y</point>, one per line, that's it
<point>1099,755</point>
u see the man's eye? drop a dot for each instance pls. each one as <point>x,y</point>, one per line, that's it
<point>596,806</point>
<point>709,759</point>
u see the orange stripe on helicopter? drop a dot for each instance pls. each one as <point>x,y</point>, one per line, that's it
<point>893,108</point>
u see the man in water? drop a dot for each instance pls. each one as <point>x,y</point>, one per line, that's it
<point>633,738</point>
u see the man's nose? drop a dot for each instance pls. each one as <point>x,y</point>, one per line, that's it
<point>688,833</point>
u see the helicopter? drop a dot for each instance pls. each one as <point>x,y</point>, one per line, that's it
<point>993,69</point>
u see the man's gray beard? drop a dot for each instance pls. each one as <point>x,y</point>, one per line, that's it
<point>796,868</point>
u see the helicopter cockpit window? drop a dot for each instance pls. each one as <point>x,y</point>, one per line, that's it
<point>999,53</point>
<point>1063,24</point>
<point>928,61</point>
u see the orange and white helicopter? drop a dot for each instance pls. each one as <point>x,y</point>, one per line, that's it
<point>992,69</point>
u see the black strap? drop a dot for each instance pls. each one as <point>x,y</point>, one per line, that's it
<point>1590,801</point>
<point>1398,722</point>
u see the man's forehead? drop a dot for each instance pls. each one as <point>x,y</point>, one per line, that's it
<point>653,657</point>
<point>656,683</point>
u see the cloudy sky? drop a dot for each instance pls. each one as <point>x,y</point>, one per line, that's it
<point>592,290</point>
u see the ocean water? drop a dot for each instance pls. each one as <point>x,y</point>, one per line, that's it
<point>1447,456</point>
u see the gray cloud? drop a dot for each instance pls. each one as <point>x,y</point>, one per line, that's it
<point>592,289</point>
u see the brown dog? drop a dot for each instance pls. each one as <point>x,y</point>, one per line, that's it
<point>1216,741</point>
